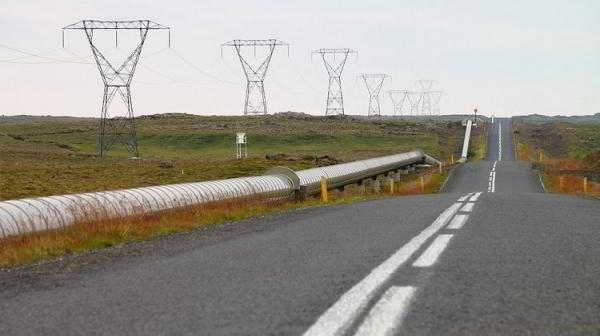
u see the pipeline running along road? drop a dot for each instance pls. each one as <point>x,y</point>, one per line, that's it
<point>493,255</point>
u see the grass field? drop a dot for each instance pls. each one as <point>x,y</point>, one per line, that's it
<point>568,152</point>
<point>561,140</point>
<point>50,155</point>
<point>56,155</point>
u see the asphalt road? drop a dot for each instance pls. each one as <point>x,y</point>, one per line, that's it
<point>493,255</point>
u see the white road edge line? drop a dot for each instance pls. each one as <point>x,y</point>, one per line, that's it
<point>387,314</point>
<point>339,317</point>
<point>433,252</point>
<point>458,221</point>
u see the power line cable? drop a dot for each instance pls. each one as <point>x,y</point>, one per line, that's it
<point>160,74</point>
<point>203,72</point>
<point>40,56</point>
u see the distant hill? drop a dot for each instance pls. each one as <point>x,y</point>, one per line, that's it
<point>542,119</point>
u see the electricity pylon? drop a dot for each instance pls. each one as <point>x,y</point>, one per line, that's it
<point>436,97</point>
<point>414,99</point>
<point>117,80</point>
<point>256,101</point>
<point>399,99</point>
<point>374,83</point>
<point>334,66</point>
<point>426,99</point>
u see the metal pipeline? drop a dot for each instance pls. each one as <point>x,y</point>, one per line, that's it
<point>352,172</point>
<point>43,213</point>
<point>465,149</point>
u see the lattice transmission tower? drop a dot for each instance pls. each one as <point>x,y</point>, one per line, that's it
<point>420,102</point>
<point>436,97</point>
<point>374,83</point>
<point>414,100</point>
<point>256,100</point>
<point>400,101</point>
<point>117,80</point>
<point>334,60</point>
<point>426,104</point>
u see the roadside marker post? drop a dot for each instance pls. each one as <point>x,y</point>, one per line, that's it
<point>585,185</point>
<point>324,196</point>
<point>422,182</point>
<point>391,186</point>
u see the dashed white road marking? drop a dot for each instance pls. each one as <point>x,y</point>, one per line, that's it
<point>387,314</point>
<point>475,197</point>
<point>457,222</point>
<point>464,198</point>
<point>499,142</point>
<point>433,252</point>
<point>468,207</point>
<point>339,317</point>
<point>492,178</point>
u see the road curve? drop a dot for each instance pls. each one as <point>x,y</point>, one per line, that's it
<point>491,255</point>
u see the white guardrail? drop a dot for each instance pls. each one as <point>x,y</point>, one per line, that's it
<point>43,213</point>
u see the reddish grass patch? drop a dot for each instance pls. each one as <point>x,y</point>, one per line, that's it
<point>94,234</point>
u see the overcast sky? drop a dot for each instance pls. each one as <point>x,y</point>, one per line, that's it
<point>506,57</point>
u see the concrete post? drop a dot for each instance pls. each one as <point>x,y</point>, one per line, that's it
<point>363,187</point>
<point>301,193</point>
<point>376,186</point>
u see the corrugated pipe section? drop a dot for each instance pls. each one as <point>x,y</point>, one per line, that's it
<point>352,172</point>
<point>42,213</point>
<point>465,149</point>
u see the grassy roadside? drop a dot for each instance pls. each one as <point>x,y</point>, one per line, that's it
<point>42,156</point>
<point>479,149</point>
<point>81,237</point>
<point>567,155</point>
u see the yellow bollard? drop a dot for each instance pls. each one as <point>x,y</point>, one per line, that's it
<point>585,184</point>
<point>422,180</point>
<point>324,196</point>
